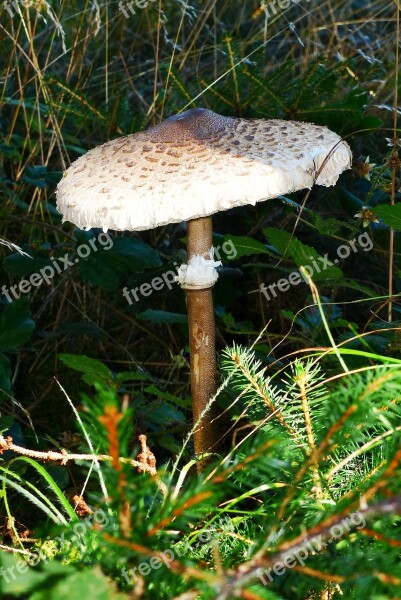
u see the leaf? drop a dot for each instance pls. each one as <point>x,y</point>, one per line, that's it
<point>10,151</point>
<point>16,325</point>
<point>131,376</point>
<point>369,123</point>
<point>81,584</point>
<point>73,328</point>
<point>5,376</point>
<point>54,580</point>
<point>152,389</point>
<point>133,254</point>
<point>97,271</point>
<point>234,326</point>
<point>302,254</point>
<point>232,247</point>
<point>158,413</point>
<point>162,316</point>
<point>391,215</point>
<point>6,423</point>
<point>22,266</point>
<point>19,578</point>
<point>311,319</point>
<point>93,369</point>
<point>104,266</point>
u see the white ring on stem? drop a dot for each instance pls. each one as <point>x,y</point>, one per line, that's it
<point>199,274</point>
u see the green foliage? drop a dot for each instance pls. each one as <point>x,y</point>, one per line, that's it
<point>301,254</point>
<point>16,327</point>
<point>54,580</point>
<point>93,370</point>
<point>162,316</point>
<point>107,268</point>
<point>151,407</point>
<point>313,444</point>
<point>10,479</point>
<point>321,466</point>
<point>243,245</point>
<point>391,215</point>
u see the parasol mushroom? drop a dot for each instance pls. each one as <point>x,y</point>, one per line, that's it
<point>185,169</point>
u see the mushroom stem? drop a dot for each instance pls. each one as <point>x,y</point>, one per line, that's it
<point>202,344</point>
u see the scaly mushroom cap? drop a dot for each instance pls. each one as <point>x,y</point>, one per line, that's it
<point>193,165</point>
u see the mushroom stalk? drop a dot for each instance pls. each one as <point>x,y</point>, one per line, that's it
<point>202,344</point>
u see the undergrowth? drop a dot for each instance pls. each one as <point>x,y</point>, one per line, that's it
<point>309,377</point>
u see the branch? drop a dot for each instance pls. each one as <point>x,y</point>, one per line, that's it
<point>63,456</point>
<point>249,572</point>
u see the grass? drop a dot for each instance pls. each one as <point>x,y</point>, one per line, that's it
<point>76,73</point>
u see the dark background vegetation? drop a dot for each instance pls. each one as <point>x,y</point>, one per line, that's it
<point>76,74</point>
<point>336,67</point>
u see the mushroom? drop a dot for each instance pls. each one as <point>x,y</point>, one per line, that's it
<point>186,168</point>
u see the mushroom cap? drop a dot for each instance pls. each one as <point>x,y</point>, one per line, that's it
<point>195,164</point>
